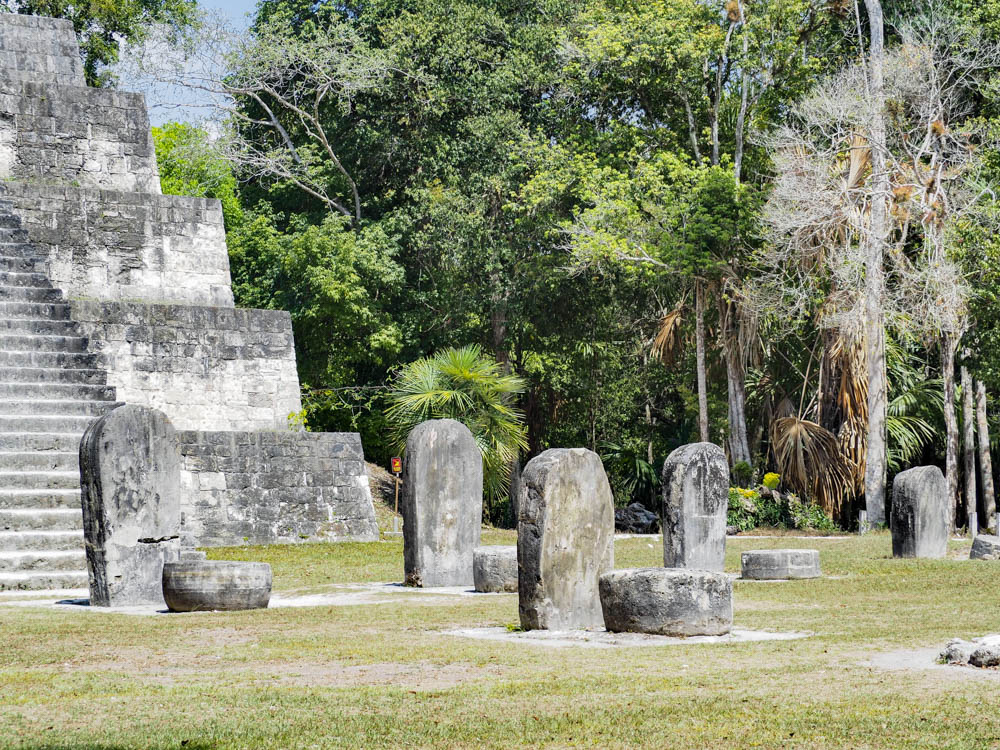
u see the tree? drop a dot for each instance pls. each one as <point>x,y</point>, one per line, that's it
<point>825,212</point>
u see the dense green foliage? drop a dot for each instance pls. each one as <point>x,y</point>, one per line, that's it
<point>549,181</point>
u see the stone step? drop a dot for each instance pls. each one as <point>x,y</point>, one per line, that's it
<point>43,580</point>
<point>55,407</point>
<point>69,360</point>
<point>41,540</point>
<point>38,327</point>
<point>24,499</point>
<point>40,499</point>
<point>23,279</point>
<point>33,423</point>
<point>40,442</point>
<point>88,376</point>
<point>43,561</point>
<point>20,264</point>
<point>57,391</point>
<point>39,480</point>
<point>9,220</point>
<point>40,461</point>
<point>42,310</point>
<point>41,519</point>
<point>43,343</point>
<point>30,294</point>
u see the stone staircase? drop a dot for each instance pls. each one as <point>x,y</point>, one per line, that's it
<point>50,391</point>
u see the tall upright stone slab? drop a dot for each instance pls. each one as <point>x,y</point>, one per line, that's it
<point>565,539</point>
<point>695,498</point>
<point>442,504</point>
<point>130,480</point>
<point>920,519</point>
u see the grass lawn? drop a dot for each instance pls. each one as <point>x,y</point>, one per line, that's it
<point>384,676</point>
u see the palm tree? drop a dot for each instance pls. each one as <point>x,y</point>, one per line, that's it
<point>470,387</point>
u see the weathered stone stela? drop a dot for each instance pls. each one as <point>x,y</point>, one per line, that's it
<point>919,518</point>
<point>565,539</point>
<point>442,504</point>
<point>130,477</point>
<point>695,498</point>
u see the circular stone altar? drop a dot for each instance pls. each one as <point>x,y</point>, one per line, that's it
<point>780,564</point>
<point>494,569</point>
<point>667,601</point>
<point>207,585</point>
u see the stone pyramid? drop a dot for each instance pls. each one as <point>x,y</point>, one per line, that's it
<point>111,292</point>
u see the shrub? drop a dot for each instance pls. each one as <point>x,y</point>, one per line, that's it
<point>748,509</point>
<point>742,473</point>
<point>771,480</point>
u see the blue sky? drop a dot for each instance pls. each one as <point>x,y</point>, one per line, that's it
<point>235,9</point>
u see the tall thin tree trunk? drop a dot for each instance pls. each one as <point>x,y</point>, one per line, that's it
<point>699,338</point>
<point>739,442</point>
<point>969,442</point>
<point>741,115</point>
<point>985,462</point>
<point>875,242</point>
<point>948,346</point>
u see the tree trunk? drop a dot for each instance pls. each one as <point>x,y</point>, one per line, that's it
<point>739,442</point>
<point>948,346</point>
<point>969,443</point>
<point>985,462</point>
<point>699,337</point>
<point>741,115</point>
<point>875,241</point>
<point>830,414</point>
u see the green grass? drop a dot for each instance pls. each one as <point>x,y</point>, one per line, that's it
<point>384,675</point>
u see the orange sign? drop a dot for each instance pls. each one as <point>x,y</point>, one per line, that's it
<point>397,465</point>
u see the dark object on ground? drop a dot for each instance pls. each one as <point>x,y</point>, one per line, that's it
<point>635,519</point>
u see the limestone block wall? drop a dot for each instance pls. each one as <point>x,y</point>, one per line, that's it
<point>108,244</point>
<point>206,368</point>
<point>75,135</point>
<point>33,48</point>
<point>274,487</point>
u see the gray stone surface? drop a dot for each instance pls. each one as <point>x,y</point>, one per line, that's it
<point>442,503</point>
<point>35,48</point>
<point>979,652</point>
<point>695,498</point>
<point>919,517</point>
<point>667,601</point>
<point>780,564</point>
<point>206,368</point>
<point>985,547</point>
<point>565,539</point>
<point>635,519</point>
<point>114,245</point>
<point>76,135</point>
<point>130,478</point>
<point>494,569</point>
<point>274,487</point>
<point>216,585</point>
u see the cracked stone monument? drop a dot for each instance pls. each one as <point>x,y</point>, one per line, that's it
<point>667,601</point>
<point>565,539</point>
<point>919,517</point>
<point>112,292</point>
<point>442,504</point>
<point>130,480</point>
<point>695,498</point>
